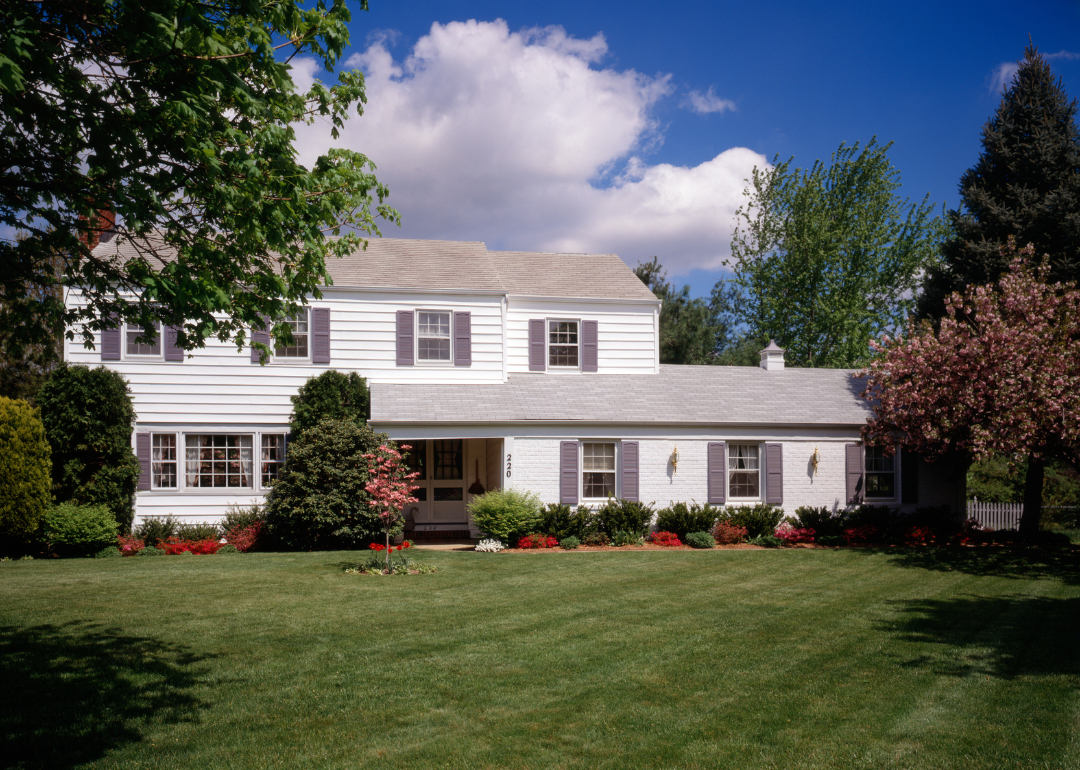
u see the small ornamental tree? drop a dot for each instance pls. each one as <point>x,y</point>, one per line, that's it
<point>1001,375</point>
<point>389,489</point>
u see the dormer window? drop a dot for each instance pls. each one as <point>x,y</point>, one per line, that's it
<point>433,336</point>
<point>563,344</point>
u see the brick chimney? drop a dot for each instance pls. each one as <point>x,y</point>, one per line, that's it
<point>772,357</point>
<point>101,229</point>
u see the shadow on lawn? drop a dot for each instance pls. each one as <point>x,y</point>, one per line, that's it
<point>1002,636</point>
<point>73,692</point>
<point>995,561</point>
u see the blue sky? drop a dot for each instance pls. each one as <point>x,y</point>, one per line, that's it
<point>629,126</point>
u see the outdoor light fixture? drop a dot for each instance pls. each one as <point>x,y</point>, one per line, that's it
<point>675,460</point>
<point>814,459</point>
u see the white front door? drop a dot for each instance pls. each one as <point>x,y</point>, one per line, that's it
<point>441,483</point>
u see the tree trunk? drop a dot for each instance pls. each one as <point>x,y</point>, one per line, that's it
<point>1033,488</point>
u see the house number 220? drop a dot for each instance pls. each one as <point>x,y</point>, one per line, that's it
<point>508,466</point>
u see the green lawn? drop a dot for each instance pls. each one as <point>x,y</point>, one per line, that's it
<point>686,659</point>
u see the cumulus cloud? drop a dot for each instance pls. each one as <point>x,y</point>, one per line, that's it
<point>525,141</point>
<point>708,102</point>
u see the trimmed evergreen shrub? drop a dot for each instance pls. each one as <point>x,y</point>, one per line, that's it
<point>560,521</point>
<point>151,551</point>
<point>332,395</point>
<point>760,519</point>
<point>70,529</point>
<point>202,530</point>
<point>507,514</point>
<point>683,519</point>
<point>108,553</point>
<point>89,418</point>
<point>320,503</point>
<point>766,541</point>
<point>824,522</point>
<point>618,515</point>
<point>25,470</point>
<point>699,540</point>
<point>227,550</point>
<point>154,529</point>
<point>890,523</point>
<point>242,516</point>
<point>569,543</point>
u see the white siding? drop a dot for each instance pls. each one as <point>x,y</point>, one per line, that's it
<point>626,332</point>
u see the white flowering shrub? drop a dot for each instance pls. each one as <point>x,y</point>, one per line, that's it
<point>491,545</point>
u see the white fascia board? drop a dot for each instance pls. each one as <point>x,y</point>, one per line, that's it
<point>585,300</point>
<point>338,287</point>
<point>418,430</point>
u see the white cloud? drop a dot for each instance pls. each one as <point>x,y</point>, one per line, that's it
<point>1001,77</point>
<point>522,140</point>
<point>708,102</point>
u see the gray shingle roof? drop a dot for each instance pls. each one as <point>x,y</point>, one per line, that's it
<point>398,263</point>
<point>727,395</point>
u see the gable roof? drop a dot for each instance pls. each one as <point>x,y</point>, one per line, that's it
<point>401,263</point>
<point>702,395</point>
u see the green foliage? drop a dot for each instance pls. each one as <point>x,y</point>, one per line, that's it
<point>760,519</point>
<point>25,467</point>
<point>887,521</point>
<point>188,132</point>
<point>1001,480</point>
<point>596,538</point>
<point>699,540</point>
<point>766,541</point>
<point>151,551</point>
<point>331,394</point>
<point>569,543</point>
<point>154,529</point>
<point>823,521</point>
<point>560,521</point>
<point>1025,184</point>
<point>201,530</point>
<point>622,537</point>
<point>111,552</point>
<point>70,529</point>
<point>227,550</point>
<point>88,418</point>
<point>618,515</point>
<point>242,516</point>
<point>320,501</point>
<point>683,519</point>
<point>828,258</point>
<point>506,514</point>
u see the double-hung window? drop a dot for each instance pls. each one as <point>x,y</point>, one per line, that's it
<point>216,460</point>
<point>564,345</point>
<point>272,461</point>
<point>163,461</point>
<point>744,471</point>
<point>135,348</point>
<point>597,470</point>
<point>299,348</point>
<point>433,336</point>
<point>880,471</point>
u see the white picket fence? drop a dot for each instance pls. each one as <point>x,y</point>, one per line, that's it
<point>996,515</point>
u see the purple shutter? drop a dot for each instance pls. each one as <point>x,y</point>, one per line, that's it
<point>909,477</point>
<point>630,470</point>
<point>405,332</point>
<point>259,334</point>
<point>172,352</point>
<point>589,346</point>
<point>110,340</point>
<point>537,346</point>
<point>717,472</point>
<point>320,335</point>
<point>462,339</point>
<point>142,452</point>
<point>568,472</point>
<point>774,474</point>
<point>853,462</point>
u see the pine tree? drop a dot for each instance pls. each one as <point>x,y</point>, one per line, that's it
<point>1025,184</point>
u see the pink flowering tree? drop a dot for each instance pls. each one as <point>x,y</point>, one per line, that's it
<point>390,488</point>
<point>1001,375</point>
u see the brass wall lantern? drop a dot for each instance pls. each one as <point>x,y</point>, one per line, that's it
<point>675,460</point>
<point>814,459</point>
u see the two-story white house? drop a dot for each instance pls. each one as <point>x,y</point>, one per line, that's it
<point>535,370</point>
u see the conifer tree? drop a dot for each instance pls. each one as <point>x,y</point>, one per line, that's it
<point>1026,184</point>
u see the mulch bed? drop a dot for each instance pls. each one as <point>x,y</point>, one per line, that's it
<point>653,547</point>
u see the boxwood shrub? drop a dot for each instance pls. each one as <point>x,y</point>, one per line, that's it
<point>700,540</point>
<point>682,519</point>
<point>507,514</point>
<point>758,520</point>
<point>70,529</point>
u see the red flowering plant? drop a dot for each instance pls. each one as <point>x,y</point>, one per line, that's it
<point>725,533</point>
<point>129,545</point>
<point>665,539</point>
<point>537,540</point>
<point>860,535</point>
<point>792,535</point>
<point>919,536</point>
<point>175,545</point>
<point>244,538</point>
<point>390,490</point>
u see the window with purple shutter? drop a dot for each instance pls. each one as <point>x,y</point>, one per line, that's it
<point>463,339</point>
<point>110,341</point>
<point>172,352</point>
<point>568,472</point>
<point>774,474</point>
<point>320,335</point>
<point>259,334</point>
<point>853,462</point>
<point>142,452</point>
<point>590,347</point>
<point>717,472</point>
<point>629,484</point>
<point>405,332</point>
<point>537,345</point>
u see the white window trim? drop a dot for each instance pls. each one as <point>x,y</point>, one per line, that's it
<point>182,487</point>
<point>897,492</point>
<point>125,356</point>
<point>417,361</point>
<point>547,346</point>
<point>293,360</point>
<point>178,438</point>
<point>593,501</point>
<point>760,471</point>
